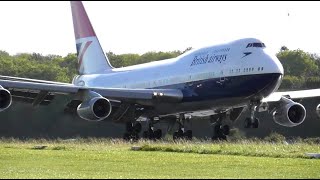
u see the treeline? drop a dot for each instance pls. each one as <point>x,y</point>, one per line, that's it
<point>301,68</point>
<point>23,121</point>
<point>63,69</point>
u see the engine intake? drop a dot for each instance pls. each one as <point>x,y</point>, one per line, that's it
<point>289,113</point>
<point>318,110</point>
<point>5,99</point>
<point>94,107</point>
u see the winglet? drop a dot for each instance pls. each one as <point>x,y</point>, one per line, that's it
<point>91,58</point>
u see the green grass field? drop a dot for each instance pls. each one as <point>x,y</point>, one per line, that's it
<point>105,158</point>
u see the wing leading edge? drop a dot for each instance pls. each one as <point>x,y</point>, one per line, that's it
<point>139,96</point>
<point>276,96</point>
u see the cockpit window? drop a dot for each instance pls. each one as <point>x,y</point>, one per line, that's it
<point>256,45</point>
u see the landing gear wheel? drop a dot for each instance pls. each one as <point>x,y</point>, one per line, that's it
<point>132,131</point>
<point>221,132</point>
<point>135,137</point>
<point>178,134</point>
<point>129,127</point>
<point>175,136</point>
<point>145,135</point>
<point>219,137</point>
<point>256,123</point>
<point>188,135</point>
<point>247,123</point>
<point>137,127</point>
<point>158,134</point>
<point>126,136</point>
<point>226,130</point>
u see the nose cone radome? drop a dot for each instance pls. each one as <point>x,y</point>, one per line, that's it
<point>279,67</point>
<point>275,64</point>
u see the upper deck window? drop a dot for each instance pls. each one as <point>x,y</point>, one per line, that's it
<point>255,45</point>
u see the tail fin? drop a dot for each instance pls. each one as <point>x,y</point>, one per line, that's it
<point>91,58</point>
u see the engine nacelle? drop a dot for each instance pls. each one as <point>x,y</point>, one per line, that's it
<point>94,107</point>
<point>5,99</point>
<point>290,113</point>
<point>318,110</point>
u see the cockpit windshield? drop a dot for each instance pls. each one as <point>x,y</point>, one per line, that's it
<point>255,45</point>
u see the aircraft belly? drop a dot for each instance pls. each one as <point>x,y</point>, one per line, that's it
<point>214,93</point>
<point>231,87</point>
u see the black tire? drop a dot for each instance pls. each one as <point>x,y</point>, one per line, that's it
<point>145,135</point>
<point>126,136</point>
<point>247,123</point>
<point>180,133</point>
<point>255,123</point>
<point>175,136</point>
<point>151,134</point>
<point>137,127</point>
<point>188,135</point>
<point>129,127</point>
<point>135,137</point>
<point>217,128</point>
<point>158,134</point>
<point>226,130</point>
<point>215,138</point>
<point>223,138</point>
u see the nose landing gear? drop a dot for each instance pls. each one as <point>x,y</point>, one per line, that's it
<point>252,121</point>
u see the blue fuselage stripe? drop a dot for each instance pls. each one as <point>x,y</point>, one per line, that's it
<point>226,91</point>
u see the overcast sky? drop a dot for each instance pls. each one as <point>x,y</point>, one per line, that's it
<point>139,27</point>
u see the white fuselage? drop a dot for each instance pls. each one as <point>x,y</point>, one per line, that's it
<point>219,61</point>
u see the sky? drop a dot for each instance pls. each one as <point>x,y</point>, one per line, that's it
<point>138,27</point>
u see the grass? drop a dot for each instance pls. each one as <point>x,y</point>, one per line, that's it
<point>108,158</point>
<point>244,148</point>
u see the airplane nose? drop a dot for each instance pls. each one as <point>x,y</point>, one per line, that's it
<point>279,67</point>
<point>276,64</point>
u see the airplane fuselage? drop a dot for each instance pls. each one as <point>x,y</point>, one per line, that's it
<point>218,76</point>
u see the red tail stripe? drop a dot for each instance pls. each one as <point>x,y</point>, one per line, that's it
<point>82,26</point>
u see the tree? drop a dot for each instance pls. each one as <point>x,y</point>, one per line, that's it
<point>186,50</point>
<point>298,63</point>
<point>284,48</point>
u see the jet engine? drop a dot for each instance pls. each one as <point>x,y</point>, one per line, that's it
<point>318,110</point>
<point>94,107</point>
<point>289,113</point>
<point>5,99</point>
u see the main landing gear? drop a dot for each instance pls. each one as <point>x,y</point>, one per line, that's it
<point>181,133</point>
<point>252,121</point>
<point>132,131</point>
<point>220,132</point>
<point>151,133</point>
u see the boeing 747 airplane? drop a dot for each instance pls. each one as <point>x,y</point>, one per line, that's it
<point>219,81</point>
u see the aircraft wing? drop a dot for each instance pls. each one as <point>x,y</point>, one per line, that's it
<point>276,96</point>
<point>22,88</point>
<point>29,80</point>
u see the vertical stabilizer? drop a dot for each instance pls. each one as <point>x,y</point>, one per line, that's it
<point>91,58</point>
